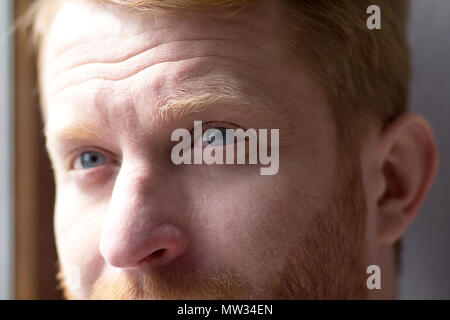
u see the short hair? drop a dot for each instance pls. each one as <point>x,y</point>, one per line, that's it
<point>365,73</point>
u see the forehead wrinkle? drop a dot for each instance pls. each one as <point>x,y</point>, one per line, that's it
<point>134,45</point>
<point>126,72</point>
<point>193,24</point>
<point>153,39</point>
<point>136,42</point>
<point>86,51</point>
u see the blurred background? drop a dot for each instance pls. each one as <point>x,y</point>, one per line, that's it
<point>27,250</point>
<point>426,255</point>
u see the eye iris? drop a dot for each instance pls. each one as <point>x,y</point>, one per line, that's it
<point>91,159</point>
<point>211,139</point>
<point>214,136</point>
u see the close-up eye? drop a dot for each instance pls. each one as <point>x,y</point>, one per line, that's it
<point>216,134</point>
<point>89,160</point>
<point>219,136</point>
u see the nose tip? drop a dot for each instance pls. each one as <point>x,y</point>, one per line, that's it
<point>164,251</point>
<point>154,248</point>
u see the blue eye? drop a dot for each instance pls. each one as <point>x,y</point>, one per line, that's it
<point>219,136</point>
<point>91,159</point>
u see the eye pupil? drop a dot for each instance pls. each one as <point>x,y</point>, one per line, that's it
<point>214,133</point>
<point>211,139</point>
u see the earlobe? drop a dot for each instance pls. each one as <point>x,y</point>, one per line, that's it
<point>408,159</point>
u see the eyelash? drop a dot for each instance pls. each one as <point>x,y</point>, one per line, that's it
<point>216,124</point>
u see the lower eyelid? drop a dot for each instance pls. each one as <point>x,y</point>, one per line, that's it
<point>93,176</point>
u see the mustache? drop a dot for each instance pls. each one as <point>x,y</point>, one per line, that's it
<point>174,285</point>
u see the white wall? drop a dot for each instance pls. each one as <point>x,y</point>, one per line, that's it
<point>6,152</point>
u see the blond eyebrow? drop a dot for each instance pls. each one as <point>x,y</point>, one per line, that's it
<point>191,104</point>
<point>81,130</point>
<point>74,130</point>
<point>204,93</point>
<point>175,109</point>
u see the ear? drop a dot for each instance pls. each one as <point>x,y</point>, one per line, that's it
<point>407,161</point>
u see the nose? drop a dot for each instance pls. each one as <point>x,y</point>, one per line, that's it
<point>146,248</point>
<point>136,232</point>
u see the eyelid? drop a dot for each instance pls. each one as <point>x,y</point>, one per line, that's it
<point>215,124</point>
<point>74,155</point>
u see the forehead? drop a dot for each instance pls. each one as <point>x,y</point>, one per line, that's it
<point>103,63</point>
<point>86,33</point>
<point>89,40</point>
<point>85,25</point>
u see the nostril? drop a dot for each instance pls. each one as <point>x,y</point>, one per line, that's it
<point>156,257</point>
<point>158,253</point>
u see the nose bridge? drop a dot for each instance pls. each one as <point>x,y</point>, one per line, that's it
<point>130,195</point>
<point>136,224</point>
<point>127,216</point>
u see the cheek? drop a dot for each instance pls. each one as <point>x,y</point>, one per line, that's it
<point>252,224</point>
<point>77,232</point>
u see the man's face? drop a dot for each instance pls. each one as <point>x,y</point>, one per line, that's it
<point>137,226</point>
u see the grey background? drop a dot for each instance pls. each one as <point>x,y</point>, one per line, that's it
<point>6,151</point>
<point>426,258</point>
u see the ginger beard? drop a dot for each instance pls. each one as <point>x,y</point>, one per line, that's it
<point>330,264</point>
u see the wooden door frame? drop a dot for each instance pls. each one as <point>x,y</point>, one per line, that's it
<point>35,258</point>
